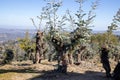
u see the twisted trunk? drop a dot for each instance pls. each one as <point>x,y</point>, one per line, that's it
<point>70,58</point>
<point>39,47</point>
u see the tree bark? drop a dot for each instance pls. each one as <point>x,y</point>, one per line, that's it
<point>39,47</point>
<point>70,58</point>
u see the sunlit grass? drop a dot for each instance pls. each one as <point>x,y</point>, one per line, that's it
<point>7,76</point>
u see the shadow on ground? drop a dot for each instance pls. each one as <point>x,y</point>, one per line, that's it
<point>54,75</point>
<point>28,70</point>
<point>88,75</point>
<point>15,68</point>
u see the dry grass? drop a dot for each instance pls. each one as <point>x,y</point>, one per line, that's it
<point>27,71</point>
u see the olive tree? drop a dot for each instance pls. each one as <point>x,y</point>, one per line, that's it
<point>81,34</point>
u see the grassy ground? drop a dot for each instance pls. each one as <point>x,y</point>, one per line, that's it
<point>45,71</point>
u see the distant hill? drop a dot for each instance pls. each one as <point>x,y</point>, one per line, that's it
<point>114,32</point>
<point>13,34</point>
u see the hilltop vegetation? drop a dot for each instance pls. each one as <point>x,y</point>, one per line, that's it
<point>57,54</point>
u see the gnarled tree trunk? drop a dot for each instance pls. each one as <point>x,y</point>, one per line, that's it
<point>70,58</point>
<point>39,47</point>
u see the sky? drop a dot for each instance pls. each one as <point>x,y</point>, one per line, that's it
<point>16,14</point>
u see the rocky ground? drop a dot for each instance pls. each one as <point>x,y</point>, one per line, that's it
<point>46,71</point>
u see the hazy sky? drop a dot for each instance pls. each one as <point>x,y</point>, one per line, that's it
<point>17,13</point>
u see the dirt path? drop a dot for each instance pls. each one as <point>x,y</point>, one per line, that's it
<point>45,71</point>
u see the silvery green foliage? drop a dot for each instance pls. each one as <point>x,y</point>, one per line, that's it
<point>114,51</point>
<point>71,21</point>
<point>83,31</point>
<point>50,13</point>
<point>82,23</point>
<point>53,22</point>
<point>114,26</point>
<point>81,14</point>
<point>116,22</point>
<point>117,18</point>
